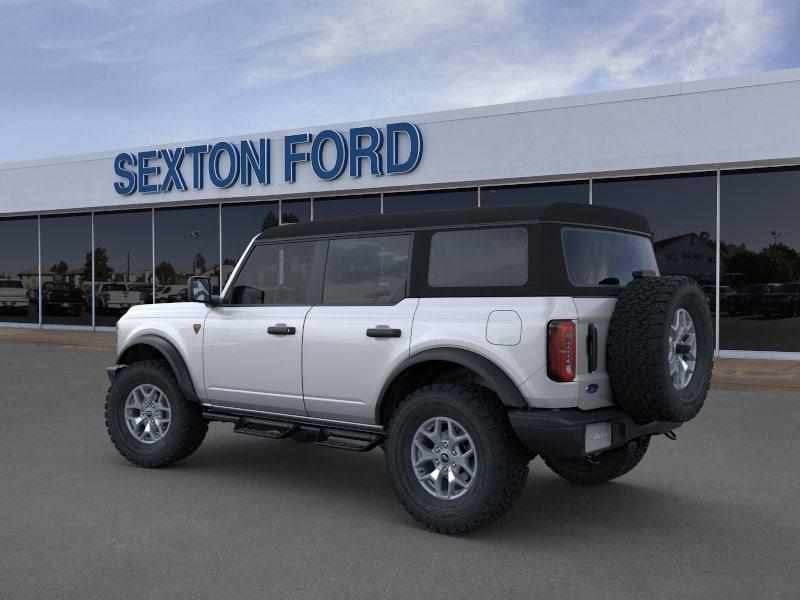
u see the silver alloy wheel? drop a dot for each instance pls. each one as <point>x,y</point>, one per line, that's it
<point>443,458</point>
<point>147,413</point>
<point>682,351</point>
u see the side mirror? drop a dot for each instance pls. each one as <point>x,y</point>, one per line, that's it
<point>199,289</point>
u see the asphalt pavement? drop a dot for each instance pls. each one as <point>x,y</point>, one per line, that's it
<point>715,514</point>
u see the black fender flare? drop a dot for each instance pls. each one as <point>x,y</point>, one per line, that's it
<point>495,377</point>
<point>168,350</point>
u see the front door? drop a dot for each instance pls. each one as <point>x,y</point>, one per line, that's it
<point>362,329</point>
<point>252,346</point>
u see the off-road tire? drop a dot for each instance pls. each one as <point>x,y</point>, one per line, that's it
<point>602,469</point>
<point>638,348</point>
<point>502,463</point>
<point>187,427</point>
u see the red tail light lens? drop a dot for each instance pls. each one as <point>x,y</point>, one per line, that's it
<point>561,350</point>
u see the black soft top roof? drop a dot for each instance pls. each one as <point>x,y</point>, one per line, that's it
<point>559,212</point>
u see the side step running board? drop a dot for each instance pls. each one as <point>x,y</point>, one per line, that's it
<point>265,428</point>
<point>332,437</point>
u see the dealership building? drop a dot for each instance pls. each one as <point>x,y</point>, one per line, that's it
<point>714,165</point>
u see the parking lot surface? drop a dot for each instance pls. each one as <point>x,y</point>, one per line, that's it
<point>713,515</point>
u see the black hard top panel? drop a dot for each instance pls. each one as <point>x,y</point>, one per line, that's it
<point>560,212</point>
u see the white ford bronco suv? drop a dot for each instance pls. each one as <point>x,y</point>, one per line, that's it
<point>463,343</point>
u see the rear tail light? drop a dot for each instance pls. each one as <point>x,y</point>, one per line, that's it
<point>561,350</point>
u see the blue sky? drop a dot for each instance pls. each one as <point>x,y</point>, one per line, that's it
<point>86,75</point>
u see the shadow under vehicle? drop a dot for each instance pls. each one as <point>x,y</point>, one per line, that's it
<point>747,301</point>
<point>13,297</point>
<point>62,298</point>
<point>783,302</point>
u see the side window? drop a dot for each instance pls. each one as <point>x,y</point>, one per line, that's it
<point>368,270</point>
<point>275,274</point>
<point>479,258</point>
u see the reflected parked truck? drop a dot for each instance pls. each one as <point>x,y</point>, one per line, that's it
<point>13,297</point>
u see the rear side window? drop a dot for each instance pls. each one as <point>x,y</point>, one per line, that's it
<point>605,257</point>
<point>479,258</point>
<point>10,284</point>
<point>368,270</point>
<point>275,274</point>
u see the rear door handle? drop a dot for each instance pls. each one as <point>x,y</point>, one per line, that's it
<point>382,331</point>
<point>281,329</point>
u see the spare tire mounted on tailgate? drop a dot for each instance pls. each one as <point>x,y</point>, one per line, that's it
<point>660,349</point>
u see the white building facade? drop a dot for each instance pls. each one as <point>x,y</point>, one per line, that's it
<point>714,165</point>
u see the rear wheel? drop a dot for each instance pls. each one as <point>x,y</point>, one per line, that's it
<point>603,468</point>
<point>453,459</point>
<point>149,420</point>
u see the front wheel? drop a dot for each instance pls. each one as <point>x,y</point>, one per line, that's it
<point>602,468</point>
<point>149,420</point>
<point>453,459</point>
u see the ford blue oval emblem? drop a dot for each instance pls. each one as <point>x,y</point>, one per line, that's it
<point>592,388</point>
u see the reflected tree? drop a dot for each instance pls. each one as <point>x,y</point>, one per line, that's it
<point>165,273</point>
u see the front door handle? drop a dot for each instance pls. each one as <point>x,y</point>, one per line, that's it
<point>383,331</point>
<point>281,329</point>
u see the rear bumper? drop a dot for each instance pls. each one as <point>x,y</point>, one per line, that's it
<point>572,433</point>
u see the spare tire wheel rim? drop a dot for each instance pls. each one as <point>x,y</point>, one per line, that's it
<point>443,458</point>
<point>682,350</point>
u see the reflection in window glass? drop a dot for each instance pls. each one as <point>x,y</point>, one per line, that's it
<point>370,270</point>
<point>760,260</point>
<point>66,270</point>
<point>240,224</point>
<point>123,263</point>
<point>604,257</point>
<point>351,206</point>
<point>295,211</point>
<point>19,270</point>
<point>682,213</point>
<point>275,274</point>
<point>436,200</point>
<point>537,193</point>
<point>187,243</point>
<point>479,257</point>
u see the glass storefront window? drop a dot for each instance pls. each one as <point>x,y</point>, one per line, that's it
<point>123,264</point>
<point>240,223</point>
<point>536,193</point>
<point>295,211</point>
<point>19,270</point>
<point>760,260</point>
<point>66,270</point>
<point>435,200</point>
<point>187,243</point>
<point>348,206</point>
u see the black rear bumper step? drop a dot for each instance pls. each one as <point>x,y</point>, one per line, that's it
<point>562,432</point>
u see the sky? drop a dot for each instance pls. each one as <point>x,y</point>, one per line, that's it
<point>90,75</point>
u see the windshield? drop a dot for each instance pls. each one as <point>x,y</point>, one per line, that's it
<point>597,257</point>
<point>791,288</point>
<point>754,288</point>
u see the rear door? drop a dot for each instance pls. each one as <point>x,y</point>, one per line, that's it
<point>600,262</point>
<point>252,345</point>
<point>362,329</point>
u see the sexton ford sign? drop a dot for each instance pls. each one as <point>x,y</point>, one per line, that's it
<point>225,164</point>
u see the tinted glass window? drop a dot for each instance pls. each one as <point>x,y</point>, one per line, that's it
<point>187,243</point>
<point>369,270</point>
<point>240,224</point>
<point>605,257</point>
<point>295,211</point>
<point>760,245</point>
<point>123,255</point>
<point>67,262</point>
<point>351,206</point>
<point>19,268</point>
<point>682,213</point>
<point>538,193</point>
<point>275,274</point>
<point>479,257</point>
<point>436,200</point>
